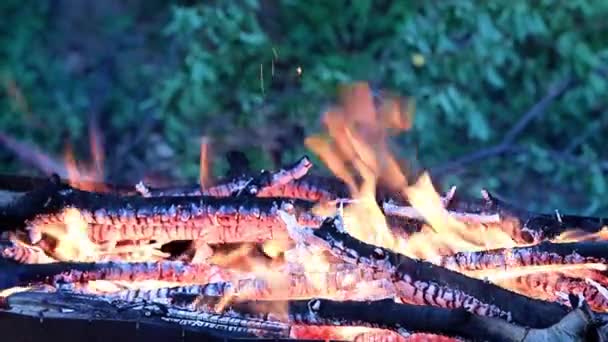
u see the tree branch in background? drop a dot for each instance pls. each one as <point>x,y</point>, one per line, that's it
<point>536,111</point>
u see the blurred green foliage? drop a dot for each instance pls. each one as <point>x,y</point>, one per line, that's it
<point>229,70</point>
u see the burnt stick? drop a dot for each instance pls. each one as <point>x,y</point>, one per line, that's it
<point>23,253</point>
<point>549,285</point>
<point>309,187</point>
<point>48,205</point>
<point>421,282</point>
<point>258,185</point>
<point>536,227</point>
<point>545,253</point>
<point>407,318</point>
<point>113,217</point>
<point>172,326</point>
<point>82,272</point>
<point>294,286</point>
<point>522,225</point>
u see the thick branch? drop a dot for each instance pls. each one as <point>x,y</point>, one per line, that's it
<point>424,283</point>
<point>72,272</point>
<point>522,225</point>
<point>357,284</point>
<point>209,327</point>
<point>107,211</point>
<point>554,285</point>
<point>252,318</point>
<point>407,318</point>
<point>546,253</point>
<point>113,217</point>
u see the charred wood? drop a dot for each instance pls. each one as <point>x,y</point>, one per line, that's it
<point>354,283</point>
<point>252,320</point>
<point>23,253</point>
<point>421,282</point>
<point>112,217</point>
<point>135,217</point>
<point>71,273</point>
<point>554,285</point>
<point>532,227</point>
<point>262,185</point>
<point>546,253</point>
<point>50,306</point>
<point>522,225</point>
<point>405,319</point>
<point>309,187</point>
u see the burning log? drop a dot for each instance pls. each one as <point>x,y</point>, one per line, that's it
<point>22,253</point>
<point>523,226</point>
<point>112,217</point>
<point>405,319</point>
<point>357,283</point>
<point>421,282</point>
<point>74,272</point>
<point>353,282</point>
<point>57,306</point>
<point>310,188</point>
<point>263,185</point>
<point>260,319</point>
<point>147,322</point>
<point>529,227</point>
<point>555,285</point>
<point>543,254</point>
<point>129,213</point>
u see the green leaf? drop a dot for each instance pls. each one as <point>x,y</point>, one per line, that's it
<point>598,180</point>
<point>478,126</point>
<point>494,79</point>
<point>252,38</point>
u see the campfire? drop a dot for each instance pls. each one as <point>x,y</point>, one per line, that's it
<point>371,254</point>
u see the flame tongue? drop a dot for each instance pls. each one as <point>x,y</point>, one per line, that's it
<point>357,152</point>
<point>81,176</point>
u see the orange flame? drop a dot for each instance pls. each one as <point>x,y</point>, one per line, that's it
<point>205,164</point>
<point>357,151</point>
<point>83,176</point>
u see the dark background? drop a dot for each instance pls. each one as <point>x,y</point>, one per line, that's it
<point>518,89</point>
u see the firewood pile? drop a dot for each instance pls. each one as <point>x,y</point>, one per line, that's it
<point>286,254</point>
